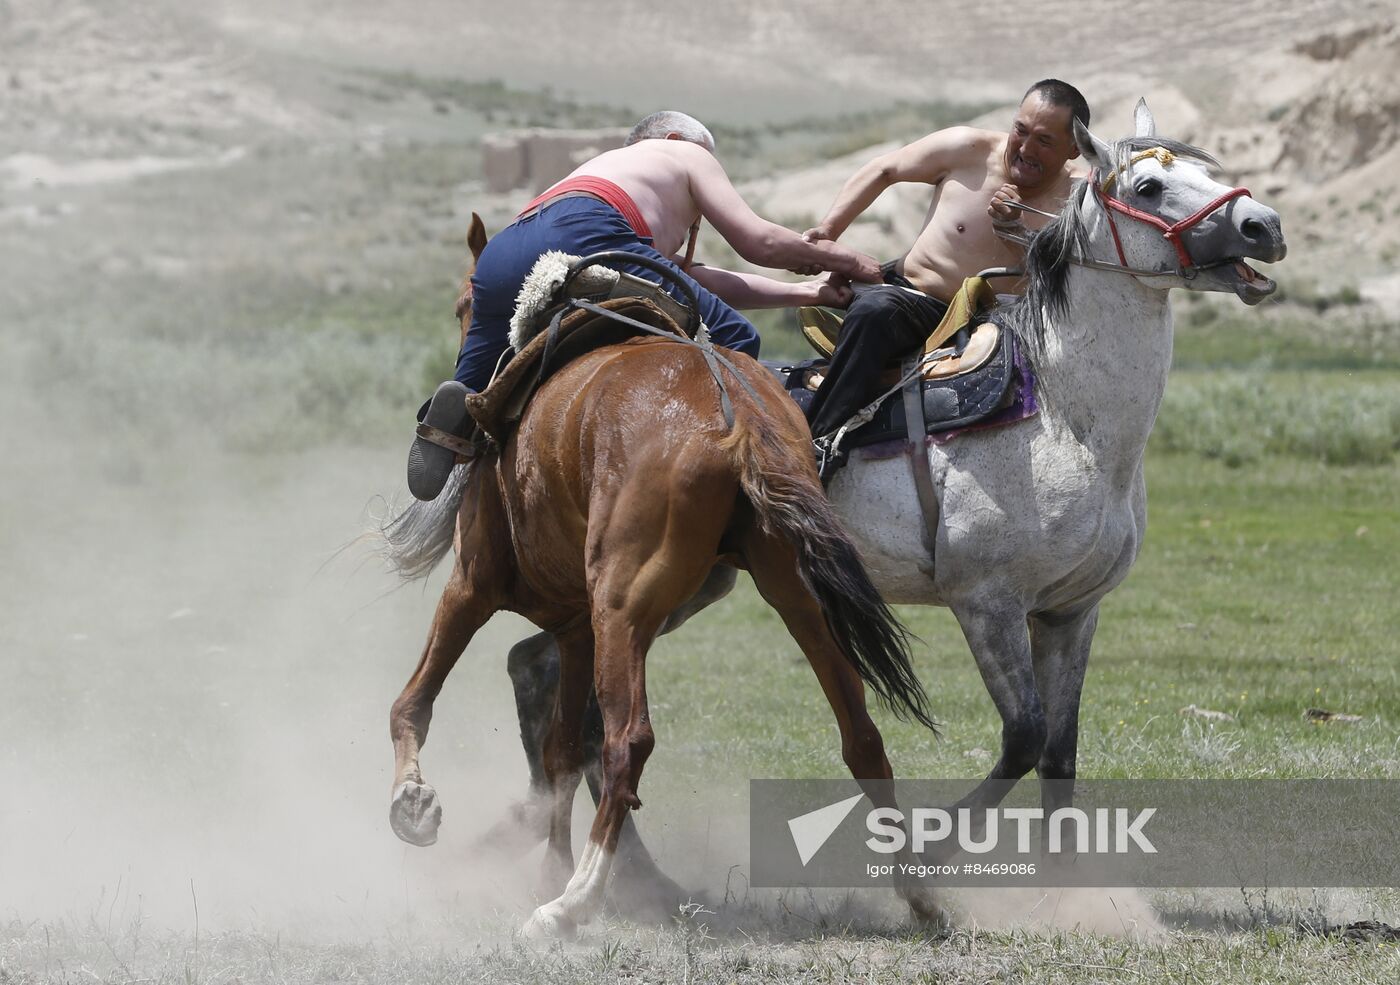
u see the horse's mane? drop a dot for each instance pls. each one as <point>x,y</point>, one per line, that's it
<point>1052,250</point>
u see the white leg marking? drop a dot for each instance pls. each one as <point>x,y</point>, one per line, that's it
<point>581,900</point>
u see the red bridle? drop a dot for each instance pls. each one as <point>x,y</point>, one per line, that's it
<point>1170,231</point>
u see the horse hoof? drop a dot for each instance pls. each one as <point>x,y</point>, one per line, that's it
<point>549,922</point>
<point>926,912</point>
<point>415,813</point>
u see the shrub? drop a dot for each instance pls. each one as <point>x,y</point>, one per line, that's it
<point>1238,417</point>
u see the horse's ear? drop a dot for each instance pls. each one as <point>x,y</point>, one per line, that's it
<point>1142,120</point>
<point>1095,151</point>
<point>476,236</point>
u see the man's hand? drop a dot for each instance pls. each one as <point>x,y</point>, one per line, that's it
<point>814,235</point>
<point>832,290</point>
<point>866,270</point>
<point>999,209</point>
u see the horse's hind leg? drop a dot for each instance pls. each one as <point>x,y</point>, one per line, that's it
<point>1000,644</point>
<point>773,565</point>
<point>637,583</point>
<point>533,664</point>
<point>414,812</point>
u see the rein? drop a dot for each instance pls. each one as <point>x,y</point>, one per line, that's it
<point>1171,232</point>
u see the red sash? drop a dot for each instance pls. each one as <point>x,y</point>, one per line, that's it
<point>603,189</point>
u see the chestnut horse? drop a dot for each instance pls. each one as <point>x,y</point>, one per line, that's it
<point>603,513</point>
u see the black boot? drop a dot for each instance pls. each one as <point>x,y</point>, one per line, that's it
<point>882,323</point>
<point>430,464</point>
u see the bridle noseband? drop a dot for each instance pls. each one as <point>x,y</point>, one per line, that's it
<point>1170,231</point>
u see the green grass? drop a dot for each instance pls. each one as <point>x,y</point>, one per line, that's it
<point>795,943</point>
<point>1260,592</point>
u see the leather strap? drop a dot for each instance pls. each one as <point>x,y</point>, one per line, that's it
<point>446,439</point>
<point>713,360</point>
<point>917,445</point>
<point>534,210</point>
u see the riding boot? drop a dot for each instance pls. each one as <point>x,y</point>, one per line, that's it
<point>430,464</point>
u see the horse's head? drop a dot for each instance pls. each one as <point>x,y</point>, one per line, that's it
<point>1164,212</point>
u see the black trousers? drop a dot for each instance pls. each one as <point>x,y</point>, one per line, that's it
<point>885,321</point>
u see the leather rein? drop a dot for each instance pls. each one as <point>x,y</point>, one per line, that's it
<point>1171,231</point>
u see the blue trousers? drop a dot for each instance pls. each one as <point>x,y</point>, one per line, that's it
<point>579,226</point>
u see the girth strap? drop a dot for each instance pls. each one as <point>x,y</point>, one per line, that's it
<point>917,445</point>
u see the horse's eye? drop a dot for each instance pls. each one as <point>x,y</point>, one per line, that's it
<point>1149,188</point>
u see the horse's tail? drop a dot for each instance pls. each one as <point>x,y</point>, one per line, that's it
<point>789,502</point>
<point>414,540</point>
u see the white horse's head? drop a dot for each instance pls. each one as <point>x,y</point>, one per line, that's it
<point>1162,211</point>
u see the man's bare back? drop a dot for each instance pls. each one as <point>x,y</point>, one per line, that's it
<point>674,182</point>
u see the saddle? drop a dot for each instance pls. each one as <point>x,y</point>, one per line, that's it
<point>822,327</point>
<point>979,379</point>
<point>967,372</point>
<point>971,373</point>
<point>569,306</point>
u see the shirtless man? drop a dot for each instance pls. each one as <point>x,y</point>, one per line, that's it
<point>645,197</point>
<point>975,174</point>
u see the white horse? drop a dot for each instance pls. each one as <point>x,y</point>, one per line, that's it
<point>1040,519</point>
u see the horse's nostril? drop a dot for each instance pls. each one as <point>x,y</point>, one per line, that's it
<point>1252,229</point>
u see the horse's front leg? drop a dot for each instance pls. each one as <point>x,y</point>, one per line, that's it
<point>1060,649</point>
<point>1000,643</point>
<point>563,752</point>
<point>414,812</point>
<point>533,664</point>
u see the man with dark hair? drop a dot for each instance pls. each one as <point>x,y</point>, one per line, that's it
<point>1063,94</point>
<point>645,198</point>
<point>972,224</point>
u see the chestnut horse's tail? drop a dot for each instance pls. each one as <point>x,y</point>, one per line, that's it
<point>789,502</point>
<point>414,540</point>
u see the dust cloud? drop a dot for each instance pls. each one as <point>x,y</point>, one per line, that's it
<point>196,694</point>
<point>196,681</point>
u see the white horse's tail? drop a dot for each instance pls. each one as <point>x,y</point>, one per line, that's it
<point>416,539</point>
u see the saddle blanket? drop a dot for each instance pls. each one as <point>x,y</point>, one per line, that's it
<point>1000,392</point>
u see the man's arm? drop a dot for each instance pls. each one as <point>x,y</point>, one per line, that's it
<point>749,291</point>
<point>756,239</point>
<point>929,160</point>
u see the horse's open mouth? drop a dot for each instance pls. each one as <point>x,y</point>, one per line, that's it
<point>1250,285</point>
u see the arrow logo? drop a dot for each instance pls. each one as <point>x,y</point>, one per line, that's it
<point>810,831</point>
